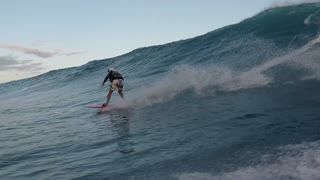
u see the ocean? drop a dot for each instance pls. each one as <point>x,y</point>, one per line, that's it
<point>239,103</point>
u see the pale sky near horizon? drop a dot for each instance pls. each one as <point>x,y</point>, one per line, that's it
<point>38,36</point>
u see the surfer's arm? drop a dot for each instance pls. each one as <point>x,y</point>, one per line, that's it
<point>105,79</point>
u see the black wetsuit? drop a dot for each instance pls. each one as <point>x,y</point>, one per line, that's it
<point>112,75</point>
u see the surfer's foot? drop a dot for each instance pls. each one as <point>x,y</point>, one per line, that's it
<point>105,105</point>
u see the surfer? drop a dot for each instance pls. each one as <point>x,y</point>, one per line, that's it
<point>116,80</point>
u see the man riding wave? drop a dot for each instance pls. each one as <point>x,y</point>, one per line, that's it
<point>116,80</point>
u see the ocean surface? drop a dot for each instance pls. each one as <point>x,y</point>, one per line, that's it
<point>238,103</point>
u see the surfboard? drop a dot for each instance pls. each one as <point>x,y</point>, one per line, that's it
<point>96,107</point>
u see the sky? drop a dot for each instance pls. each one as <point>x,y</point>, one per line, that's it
<point>37,36</point>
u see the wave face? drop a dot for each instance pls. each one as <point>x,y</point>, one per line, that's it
<point>240,102</point>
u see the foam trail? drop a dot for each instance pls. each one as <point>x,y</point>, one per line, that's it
<point>200,80</point>
<point>313,18</point>
<point>286,58</point>
<point>212,79</point>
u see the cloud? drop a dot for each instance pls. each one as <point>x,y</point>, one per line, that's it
<point>38,52</point>
<point>73,53</point>
<point>10,63</point>
<point>7,61</point>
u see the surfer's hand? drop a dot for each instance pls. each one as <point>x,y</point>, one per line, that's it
<point>102,85</point>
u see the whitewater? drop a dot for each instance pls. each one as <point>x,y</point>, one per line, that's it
<point>240,102</point>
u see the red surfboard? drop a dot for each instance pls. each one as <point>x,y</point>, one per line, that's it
<point>96,107</point>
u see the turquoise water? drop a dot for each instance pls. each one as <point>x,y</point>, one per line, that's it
<point>240,102</point>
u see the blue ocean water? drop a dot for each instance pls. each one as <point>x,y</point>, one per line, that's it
<point>240,102</point>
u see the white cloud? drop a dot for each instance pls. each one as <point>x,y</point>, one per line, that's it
<point>38,52</point>
<point>10,63</point>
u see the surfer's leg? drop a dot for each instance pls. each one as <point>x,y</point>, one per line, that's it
<point>121,94</point>
<point>113,87</point>
<point>120,87</point>
<point>108,97</point>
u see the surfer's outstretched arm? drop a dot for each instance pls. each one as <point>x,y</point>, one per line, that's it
<point>105,79</point>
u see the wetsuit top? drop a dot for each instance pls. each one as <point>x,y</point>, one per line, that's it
<point>112,75</point>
